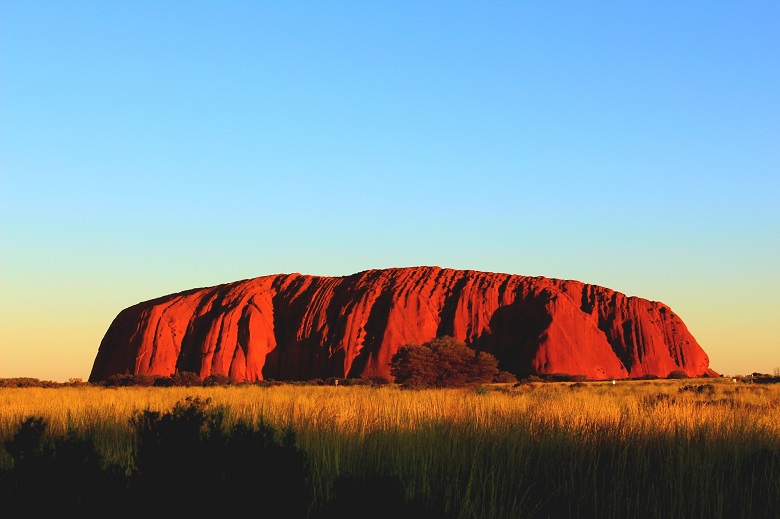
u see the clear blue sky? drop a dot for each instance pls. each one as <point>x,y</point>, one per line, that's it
<point>152,147</point>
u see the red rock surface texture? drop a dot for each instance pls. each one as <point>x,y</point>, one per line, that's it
<point>299,327</point>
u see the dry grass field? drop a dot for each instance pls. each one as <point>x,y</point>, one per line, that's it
<point>658,448</point>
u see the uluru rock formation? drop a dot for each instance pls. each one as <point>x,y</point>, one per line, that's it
<point>299,327</point>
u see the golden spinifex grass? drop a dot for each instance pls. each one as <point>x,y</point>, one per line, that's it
<point>663,448</point>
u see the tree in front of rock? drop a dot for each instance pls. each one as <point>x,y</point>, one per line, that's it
<point>442,362</point>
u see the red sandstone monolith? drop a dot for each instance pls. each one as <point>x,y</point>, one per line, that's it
<point>298,327</point>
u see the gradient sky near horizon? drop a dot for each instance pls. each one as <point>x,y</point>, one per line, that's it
<point>149,147</point>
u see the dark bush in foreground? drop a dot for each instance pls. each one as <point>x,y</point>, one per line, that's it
<point>187,463</point>
<point>190,452</point>
<point>56,476</point>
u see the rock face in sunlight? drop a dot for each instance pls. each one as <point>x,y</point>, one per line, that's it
<point>298,327</point>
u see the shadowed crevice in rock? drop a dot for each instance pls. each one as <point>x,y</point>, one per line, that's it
<point>375,326</point>
<point>447,314</point>
<point>515,333</point>
<point>288,361</point>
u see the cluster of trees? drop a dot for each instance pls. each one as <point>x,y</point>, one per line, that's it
<point>444,362</point>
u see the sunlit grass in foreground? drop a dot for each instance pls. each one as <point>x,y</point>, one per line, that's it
<point>661,448</point>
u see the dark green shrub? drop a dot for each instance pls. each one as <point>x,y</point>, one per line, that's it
<point>356,381</point>
<point>702,388</point>
<point>267,383</point>
<point>678,374</point>
<point>186,378</point>
<point>143,380</point>
<point>764,378</point>
<point>505,377</point>
<point>118,380</point>
<point>217,379</point>
<point>442,362</point>
<point>127,379</point>
<point>647,376</point>
<point>529,379</point>
<point>414,365</point>
<point>378,380</point>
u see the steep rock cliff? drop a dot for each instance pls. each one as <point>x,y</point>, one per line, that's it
<point>298,327</point>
